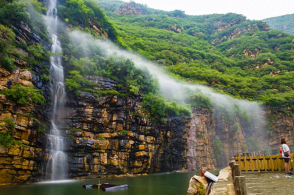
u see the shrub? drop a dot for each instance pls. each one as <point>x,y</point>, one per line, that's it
<point>6,139</point>
<point>45,78</point>
<point>124,132</point>
<point>76,129</point>
<point>235,128</point>
<point>200,100</point>
<point>24,95</point>
<point>71,136</point>
<point>159,109</point>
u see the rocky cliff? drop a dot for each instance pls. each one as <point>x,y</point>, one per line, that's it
<point>213,140</point>
<point>280,126</point>
<point>21,161</point>
<point>108,136</point>
<point>22,124</point>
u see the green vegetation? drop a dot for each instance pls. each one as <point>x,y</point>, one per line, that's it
<point>85,13</point>
<point>282,23</point>
<point>254,144</point>
<point>233,55</point>
<point>6,138</point>
<point>200,100</point>
<point>7,38</point>
<point>21,22</point>
<point>76,129</point>
<point>132,80</point>
<point>45,78</point>
<point>217,148</point>
<point>42,126</point>
<point>159,109</point>
<point>101,138</point>
<point>24,95</point>
<point>124,132</point>
<point>234,128</point>
<point>202,190</point>
<point>41,130</point>
<point>71,136</point>
<point>224,51</point>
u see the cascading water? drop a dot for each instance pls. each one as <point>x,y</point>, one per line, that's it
<point>57,165</point>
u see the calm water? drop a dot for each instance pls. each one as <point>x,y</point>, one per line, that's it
<point>158,184</point>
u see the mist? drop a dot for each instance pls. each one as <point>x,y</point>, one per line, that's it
<point>175,90</point>
<point>169,86</point>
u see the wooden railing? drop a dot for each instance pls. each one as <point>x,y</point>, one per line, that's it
<point>252,162</point>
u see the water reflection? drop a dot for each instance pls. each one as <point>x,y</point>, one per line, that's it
<point>157,184</point>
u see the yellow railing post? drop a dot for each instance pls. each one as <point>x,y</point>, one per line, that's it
<point>246,163</point>
<point>262,162</point>
<point>251,164</point>
<point>258,163</point>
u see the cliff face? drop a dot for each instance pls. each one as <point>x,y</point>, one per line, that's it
<point>281,127</point>
<point>107,136</point>
<point>213,140</point>
<point>18,163</point>
<point>22,124</point>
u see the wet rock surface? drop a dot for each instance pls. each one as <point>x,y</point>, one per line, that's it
<point>107,136</point>
<point>22,161</point>
<point>206,126</point>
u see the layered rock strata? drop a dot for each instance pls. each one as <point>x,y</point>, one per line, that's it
<point>20,162</point>
<point>108,135</point>
<point>212,140</point>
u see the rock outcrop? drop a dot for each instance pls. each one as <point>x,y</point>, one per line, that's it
<point>20,162</point>
<point>236,32</point>
<point>197,185</point>
<point>108,136</point>
<point>280,126</point>
<point>131,8</point>
<point>213,140</point>
<point>21,159</point>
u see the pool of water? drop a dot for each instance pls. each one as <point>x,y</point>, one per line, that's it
<point>157,184</point>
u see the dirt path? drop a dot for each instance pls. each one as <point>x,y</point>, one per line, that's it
<point>269,183</point>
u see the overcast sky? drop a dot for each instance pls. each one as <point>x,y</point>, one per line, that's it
<point>252,9</point>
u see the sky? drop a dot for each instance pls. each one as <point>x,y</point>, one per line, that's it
<point>252,9</point>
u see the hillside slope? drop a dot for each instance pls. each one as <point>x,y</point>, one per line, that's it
<point>233,55</point>
<point>282,23</point>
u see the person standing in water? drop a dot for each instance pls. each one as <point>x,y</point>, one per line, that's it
<point>286,156</point>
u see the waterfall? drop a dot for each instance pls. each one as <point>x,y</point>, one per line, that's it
<point>57,164</point>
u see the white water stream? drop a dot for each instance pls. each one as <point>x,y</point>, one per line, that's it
<point>57,166</point>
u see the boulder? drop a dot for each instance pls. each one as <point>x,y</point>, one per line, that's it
<point>197,185</point>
